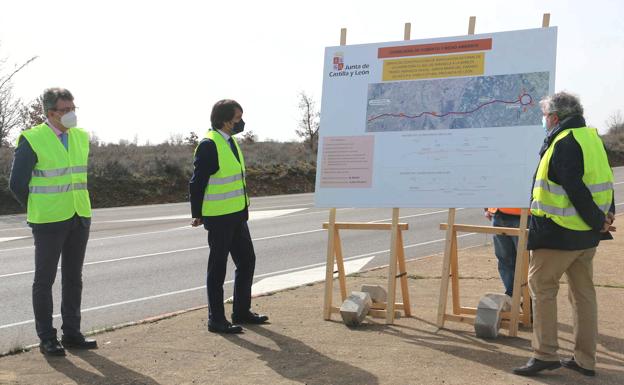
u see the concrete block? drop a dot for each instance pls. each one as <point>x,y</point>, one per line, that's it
<point>354,309</point>
<point>378,294</point>
<point>488,318</point>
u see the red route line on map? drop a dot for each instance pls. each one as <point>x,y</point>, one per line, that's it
<point>402,115</point>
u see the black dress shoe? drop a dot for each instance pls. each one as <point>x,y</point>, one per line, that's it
<point>249,318</point>
<point>571,363</point>
<point>78,342</point>
<point>224,327</point>
<point>51,347</point>
<point>535,366</point>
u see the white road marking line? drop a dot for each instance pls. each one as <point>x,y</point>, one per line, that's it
<point>302,277</point>
<point>253,215</point>
<point>112,237</point>
<point>25,227</point>
<point>227,282</point>
<point>115,260</point>
<point>6,239</point>
<point>164,252</point>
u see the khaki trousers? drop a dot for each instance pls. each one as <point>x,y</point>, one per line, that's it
<point>546,268</point>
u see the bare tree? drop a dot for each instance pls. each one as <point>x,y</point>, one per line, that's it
<point>10,106</point>
<point>249,137</point>
<point>192,139</point>
<point>309,122</point>
<point>32,113</point>
<point>615,123</point>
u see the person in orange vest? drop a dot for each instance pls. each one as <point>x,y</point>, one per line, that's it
<point>505,246</point>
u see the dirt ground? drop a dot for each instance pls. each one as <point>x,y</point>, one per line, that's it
<point>299,347</point>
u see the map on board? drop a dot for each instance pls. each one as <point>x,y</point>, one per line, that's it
<point>470,102</point>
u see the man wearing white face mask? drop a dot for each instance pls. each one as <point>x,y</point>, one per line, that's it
<point>49,178</point>
<point>572,210</point>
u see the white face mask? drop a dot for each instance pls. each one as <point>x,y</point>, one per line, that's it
<point>544,124</point>
<point>69,120</point>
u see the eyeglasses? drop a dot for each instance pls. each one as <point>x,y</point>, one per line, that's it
<point>65,110</point>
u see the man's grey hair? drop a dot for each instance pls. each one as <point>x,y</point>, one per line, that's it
<point>52,95</point>
<point>564,104</point>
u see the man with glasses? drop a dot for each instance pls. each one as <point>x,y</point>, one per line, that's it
<point>49,178</point>
<point>572,210</point>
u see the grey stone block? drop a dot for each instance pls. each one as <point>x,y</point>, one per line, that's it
<point>354,309</point>
<point>488,318</point>
<point>378,294</point>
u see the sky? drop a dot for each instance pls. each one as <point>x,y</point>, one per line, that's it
<point>153,69</point>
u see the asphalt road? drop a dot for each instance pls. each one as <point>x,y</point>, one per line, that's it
<point>146,260</point>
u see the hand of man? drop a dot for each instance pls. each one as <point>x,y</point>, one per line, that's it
<point>608,223</point>
<point>197,222</point>
<point>488,214</point>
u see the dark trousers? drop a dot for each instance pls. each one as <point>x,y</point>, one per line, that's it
<point>69,240</point>
<point>506,248</point>
<point>234,239</point>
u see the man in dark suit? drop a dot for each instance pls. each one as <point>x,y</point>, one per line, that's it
<point>219,201</point>
<point>49,178</point>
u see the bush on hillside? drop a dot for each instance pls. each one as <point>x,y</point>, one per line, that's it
<point>122,175</point>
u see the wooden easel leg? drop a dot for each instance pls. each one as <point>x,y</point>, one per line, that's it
<point>518,274</point>
<point>392,267</point>
<point>329,271</point>
<point>526,302</point>
<point>446,266</point>
<point>407,309</point>
<point>455,274</point>
<point>340,264</point>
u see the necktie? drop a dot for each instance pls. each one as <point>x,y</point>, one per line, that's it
<point>233,147</point>
<point>64,139</point>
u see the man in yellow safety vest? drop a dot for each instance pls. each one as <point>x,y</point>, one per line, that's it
<point>219,201</point>
<point>49,178</point>
<point>572,210</point>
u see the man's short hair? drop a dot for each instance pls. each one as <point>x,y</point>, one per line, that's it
<point>564,104</point>
<point>223,111</point>
<point>52,95</point>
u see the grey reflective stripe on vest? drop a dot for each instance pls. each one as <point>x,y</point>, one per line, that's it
<point>562,212</point>
<point>57,189</point>
<point>227,179</point>
<point>59,171</point>
<point>218,197</point>
<point>557,189</point>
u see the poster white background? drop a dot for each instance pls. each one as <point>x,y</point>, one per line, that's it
<point>467,167</point>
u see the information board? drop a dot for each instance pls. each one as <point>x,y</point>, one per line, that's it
<point>445,122</point>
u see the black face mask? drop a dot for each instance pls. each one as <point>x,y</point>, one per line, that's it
<point>238,127</point>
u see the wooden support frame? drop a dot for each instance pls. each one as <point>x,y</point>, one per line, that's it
<point>386,310</point>
<point>450,264</point>
<point>397,252</point>
<point>450,273</point>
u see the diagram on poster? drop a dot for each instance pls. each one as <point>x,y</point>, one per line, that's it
<point>472,102</point>
<point>447,122</point>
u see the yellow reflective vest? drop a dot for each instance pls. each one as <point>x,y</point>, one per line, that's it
<point>226,189</point>
<point>58,186</point>
<point>550,199</point>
